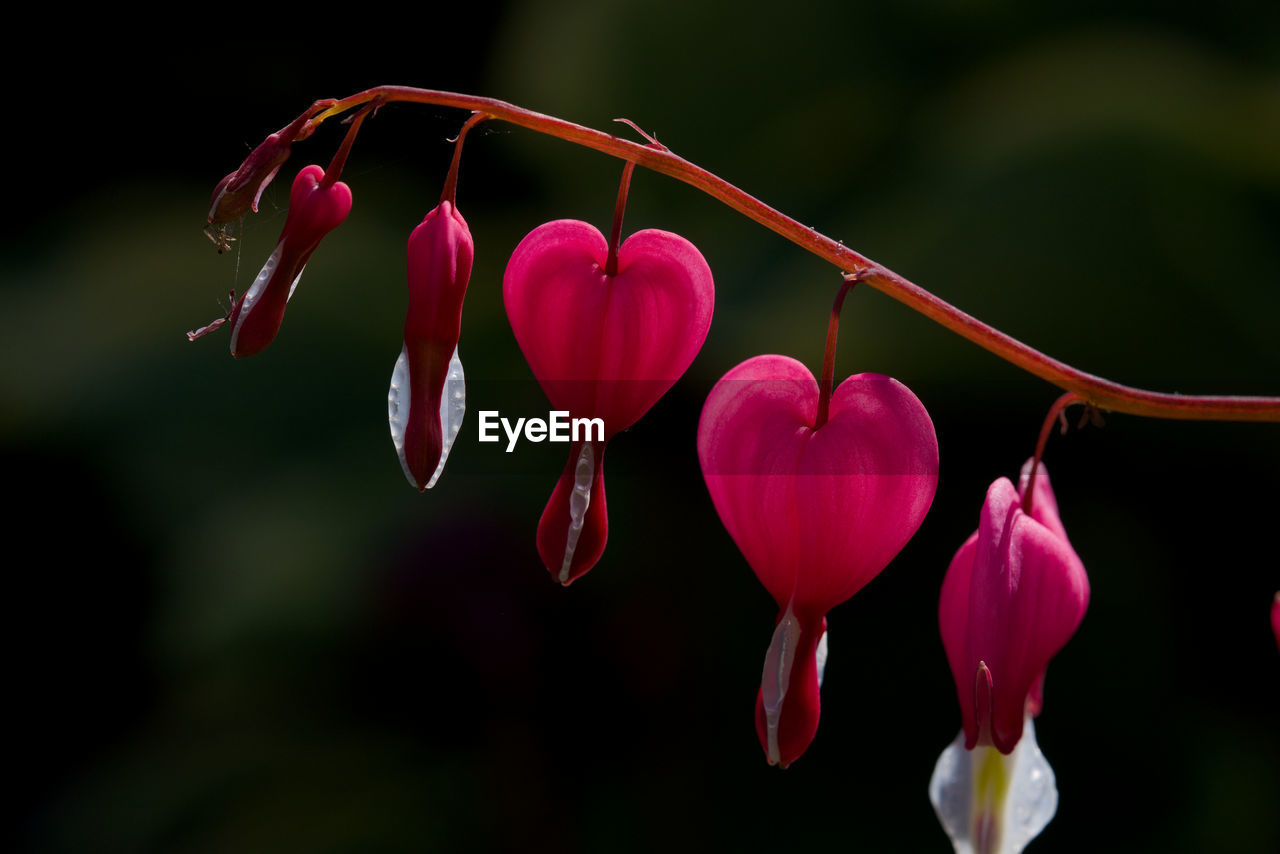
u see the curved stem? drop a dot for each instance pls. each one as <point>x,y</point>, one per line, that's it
<point>619,208</point>
<point>450,191</point>
<point>829,355</point>
<point>334,172</point>
<point>1055,413</point>
<point>1096,390</point>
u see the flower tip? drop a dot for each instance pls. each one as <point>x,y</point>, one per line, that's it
<point>240,191</point>
<point>574,526</point>
<point>788,704</point>
<point>1275,618</point>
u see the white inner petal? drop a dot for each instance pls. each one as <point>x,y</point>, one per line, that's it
<point>398,409</point>
<point>255,291</point>
<point>993,804</point>
<point>776,678</point>
<point>579,501</point>
<point>821,657</point>
<point>293,287</point>
<point>453,405</point>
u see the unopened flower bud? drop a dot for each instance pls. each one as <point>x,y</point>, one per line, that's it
<point>427,398</point>
<point>239,192</point>
<point>315,209</point>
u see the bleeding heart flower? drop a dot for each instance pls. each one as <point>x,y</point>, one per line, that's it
<point>316,207</point>
<point>603,345</point>
<point>816,511</point>
<point>424,417</point>
<point>1014,594</point>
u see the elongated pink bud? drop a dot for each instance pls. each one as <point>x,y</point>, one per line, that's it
<point>314,211</point>
<point>427,399</point>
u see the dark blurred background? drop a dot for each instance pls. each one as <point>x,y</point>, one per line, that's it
<point>231,624</point>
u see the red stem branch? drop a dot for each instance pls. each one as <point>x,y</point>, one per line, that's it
<point>1100,392</point>
<point>334,172</point>
<point>450,191</point>
<point>1055,414</point>
<point>829,355</point>
<point>619,208</point>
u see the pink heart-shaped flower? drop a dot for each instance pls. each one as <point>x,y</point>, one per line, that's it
<point>817,513</point>
<point>602,346</point>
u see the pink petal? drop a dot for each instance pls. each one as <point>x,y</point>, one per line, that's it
<point>1275,619</point>
<point>817,514</point>
<point>607,347</point>
<point>953,620</point>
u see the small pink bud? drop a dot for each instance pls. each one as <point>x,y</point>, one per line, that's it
<point>816,511</point>
<point>315,209</point>
<point>427,397</point>
<point>1013,596</point>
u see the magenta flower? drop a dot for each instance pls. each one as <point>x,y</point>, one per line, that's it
<point>424,416</point>
<point>817,512</point>
<point>316,207</point>
<point>1014,594</point>
<point>603,345</point>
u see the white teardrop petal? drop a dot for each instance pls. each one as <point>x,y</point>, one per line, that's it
<point>398,409</point>
<point>821,657</point>
<point>453,405</point>
<point>1033,795</point>
<point>584,472</point>
<point>776,679</point>
<point>989,803</point>
<point>255,291</point>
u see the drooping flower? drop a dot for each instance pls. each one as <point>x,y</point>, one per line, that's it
<point>602,345</point>
<point>427,398</point>
<point>816,511</point>
<point>1013,596</point>
<point>239,192</point>
<point>318,203</point>
<point>316,207</point>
